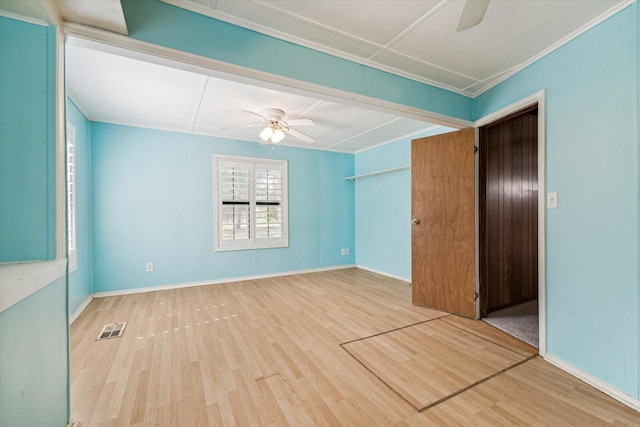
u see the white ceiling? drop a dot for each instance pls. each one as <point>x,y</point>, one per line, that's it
<point>117,89</point>
<point>417,39</point>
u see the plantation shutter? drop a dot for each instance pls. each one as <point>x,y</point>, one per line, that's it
<point>251,203</point>
<point>72,238</point>
<point>235,182</point>
<point>268,191</point>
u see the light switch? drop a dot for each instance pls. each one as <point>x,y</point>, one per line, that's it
<point>552,200</point>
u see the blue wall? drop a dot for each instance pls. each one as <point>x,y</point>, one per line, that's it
<point>81,280</point>
<point>33,360</point>
<point>592,162</point>
<point>637,137</point>
<point>153,201</point>
<point>27,142</point>
<point>170,26</point>
<point>33,332</point>
<point>383,208</point>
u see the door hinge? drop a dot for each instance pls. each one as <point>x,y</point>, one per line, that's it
<point>475,149</point>
<point>475,298</point>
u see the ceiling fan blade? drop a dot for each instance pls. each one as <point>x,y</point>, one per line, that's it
<point>472,14</point>
<point>301,122</point>
<point>297,134</point>
<point>253,125</point>
<point>266,119</point>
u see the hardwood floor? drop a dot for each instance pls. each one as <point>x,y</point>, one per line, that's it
<point>272,352</point>
<point>431,361</point>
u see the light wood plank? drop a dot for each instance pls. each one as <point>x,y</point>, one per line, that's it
<point>491,333</point>
<point>428,362</point>
<point>536,394</point>
<point>219,355</point>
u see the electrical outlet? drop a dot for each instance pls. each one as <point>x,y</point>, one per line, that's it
<point>148,267</point>
<point>343,251</point>
<point>347,251</point>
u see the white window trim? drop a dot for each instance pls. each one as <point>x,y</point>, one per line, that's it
<point>281,242</point>
<point>72,208</point>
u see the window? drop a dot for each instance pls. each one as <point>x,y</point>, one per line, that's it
<point>251,203</point>
<point>72,251</point>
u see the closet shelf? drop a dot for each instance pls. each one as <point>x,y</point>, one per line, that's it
<point>377,173</point>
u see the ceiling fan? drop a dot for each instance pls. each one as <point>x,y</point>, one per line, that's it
<point>275,127</point>
<point>472,14</point>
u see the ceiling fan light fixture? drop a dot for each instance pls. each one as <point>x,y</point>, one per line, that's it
<point>274,129</point>
<point>266,133</point>
<point>278,135</point>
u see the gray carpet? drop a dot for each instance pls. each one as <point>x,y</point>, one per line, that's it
<point>521,321</point>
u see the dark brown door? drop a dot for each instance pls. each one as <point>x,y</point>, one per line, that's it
<point>508,209</point>
<point>442,238</point>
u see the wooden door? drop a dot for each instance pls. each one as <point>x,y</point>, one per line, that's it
<point>508,209</point>
<point>442,237</point>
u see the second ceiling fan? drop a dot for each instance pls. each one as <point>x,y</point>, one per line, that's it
<point>472,14</point>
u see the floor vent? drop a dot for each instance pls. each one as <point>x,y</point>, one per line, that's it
<point>112,330</point>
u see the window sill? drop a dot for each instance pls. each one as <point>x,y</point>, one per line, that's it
<point>250,247</point>
<point>21,280</point>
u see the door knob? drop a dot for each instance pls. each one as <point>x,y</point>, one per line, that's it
<point>415,221</point>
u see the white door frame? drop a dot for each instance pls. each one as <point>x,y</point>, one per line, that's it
<point>539,98</point>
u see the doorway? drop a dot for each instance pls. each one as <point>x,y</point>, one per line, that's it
<point>508,223</point>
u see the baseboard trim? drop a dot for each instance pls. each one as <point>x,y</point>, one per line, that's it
<point>80,309</point>
<point>216,281</point>
<point>383,273</point>
<point>604,387</point>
